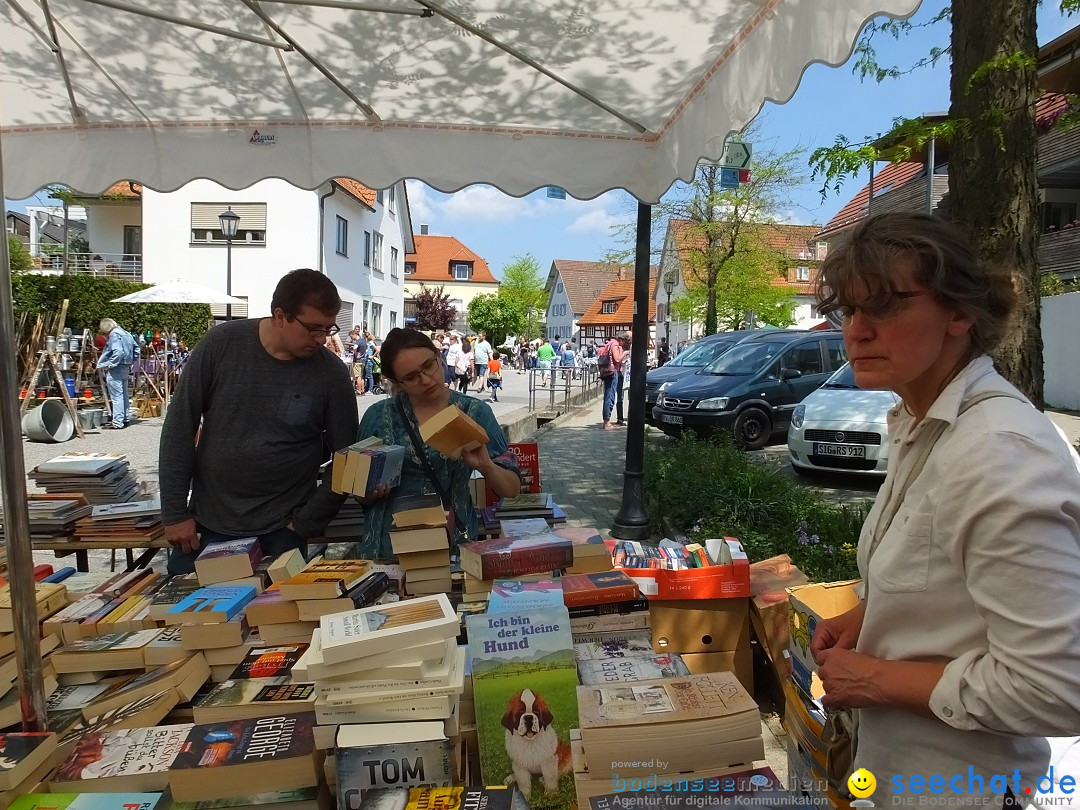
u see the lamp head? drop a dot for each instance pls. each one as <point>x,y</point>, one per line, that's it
<point>230,221</point>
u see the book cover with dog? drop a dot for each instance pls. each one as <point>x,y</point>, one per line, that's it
<point>524,688</point>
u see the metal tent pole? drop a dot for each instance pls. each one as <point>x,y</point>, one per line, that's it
<point>16,515</point>
<point>632,521</point>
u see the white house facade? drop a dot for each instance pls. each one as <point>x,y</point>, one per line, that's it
<point>572,287</point>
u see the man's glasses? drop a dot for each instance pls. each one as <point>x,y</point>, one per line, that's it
<point>875,313</point>
<point>427,370</point>
<point>319,331</point>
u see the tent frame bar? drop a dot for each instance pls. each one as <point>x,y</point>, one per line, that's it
<point>77,114</point>
<point>22,12</point>
<point>521,57</point>
<point>16,512</point>
<point>351,6</point>
<point>188,23</point>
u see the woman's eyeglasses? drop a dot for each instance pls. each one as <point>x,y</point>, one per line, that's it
<point>319,331</point>
<point>427,370</point>
<point>875,313</point>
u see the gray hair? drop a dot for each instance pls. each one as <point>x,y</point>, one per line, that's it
<point>106,325</point>
<point>628,336</point>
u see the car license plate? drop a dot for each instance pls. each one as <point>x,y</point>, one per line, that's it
<point>840,450</point>
<point>671,420</point>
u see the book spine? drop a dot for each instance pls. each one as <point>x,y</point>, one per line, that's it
<point>525,561</point>
<point>612,608</point>
<point>600,596</point>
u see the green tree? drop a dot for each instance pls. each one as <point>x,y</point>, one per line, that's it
<point>992,136</point>
<point>433,309</point>
<point>523,284</point>
<point>746,286</point>
<point>497,316</point>
<point>19,258</point>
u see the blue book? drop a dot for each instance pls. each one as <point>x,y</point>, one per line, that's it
<point>211,605</point>
<point>524,594</point>
<point>59,576</point>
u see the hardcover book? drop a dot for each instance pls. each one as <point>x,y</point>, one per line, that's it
<point>617,670</point>
<point>526,593</point>
<point>21,754</point>
<point>326,579</point>
<point>514,556</point>
<point>391,755</point>
<point>380,628</point>
<point>524,682</point>
<point>580,590</point>
<point>210,605</point>
<point>221,562</point>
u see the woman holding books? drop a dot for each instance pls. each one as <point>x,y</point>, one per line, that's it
<point>963,654</point>
<point>415,368</point>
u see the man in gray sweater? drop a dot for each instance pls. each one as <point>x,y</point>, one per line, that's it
<point>258,407</point>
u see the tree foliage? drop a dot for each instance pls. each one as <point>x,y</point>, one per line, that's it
<point>728,254</point>
<point>19,258</point>
<point>434,311</point>
<point>497,316</point>
<point>523,284</point>
<point>90,300</point>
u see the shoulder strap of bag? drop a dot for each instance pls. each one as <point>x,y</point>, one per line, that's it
<point>938,429</point>
<point>418,446</point>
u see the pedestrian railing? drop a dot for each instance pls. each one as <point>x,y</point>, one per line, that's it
<point>553,389</point>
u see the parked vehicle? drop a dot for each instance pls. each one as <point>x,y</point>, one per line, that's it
<point>841,428</point>
<point>753,388</point>
<point>690,360</point>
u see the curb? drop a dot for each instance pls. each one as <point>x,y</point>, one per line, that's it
<point>521,424</point>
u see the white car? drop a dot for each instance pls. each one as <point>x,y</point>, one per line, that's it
<point>841,428</point>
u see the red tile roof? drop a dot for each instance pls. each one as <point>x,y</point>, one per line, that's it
<point>434,255</point>
<point>358,190</point>
<point>894,175</point>
<point>622,292</point>
<point>124,188</point>
<point>583,281</point>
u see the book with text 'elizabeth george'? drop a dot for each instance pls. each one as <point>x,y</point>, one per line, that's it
<point>385,755</point>
<point>234,559</point>
<point>210,605</point>
<point>514,556</point>
<point>522,669</point>
<point>380,628</point>
<point>451,431</point>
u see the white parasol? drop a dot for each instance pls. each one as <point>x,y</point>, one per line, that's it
<point>178,291</point>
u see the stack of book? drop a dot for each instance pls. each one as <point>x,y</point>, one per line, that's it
<point>362,467</point>
<point>197,763</point>
<point>261,685</point>
<point>606,601</point>
<point>702,723</point>
<point>348,523</point>
<point>100,477</point>
<point>390,662</point>
<point>212,618</point>
<point>132,520</point>
<point>121,603</point>
<point>288,611</point>
<point>52,517</point>
<point>504,557</point>
<point>418,538</point>
<point>10,693</point>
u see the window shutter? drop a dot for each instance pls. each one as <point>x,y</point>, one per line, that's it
<point>204,215</point>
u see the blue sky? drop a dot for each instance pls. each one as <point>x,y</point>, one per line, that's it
<point>828,102</point>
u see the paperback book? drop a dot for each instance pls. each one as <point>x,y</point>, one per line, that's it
<point>525,593</point>
<point>21,754</point>
<point>87,801</point>
<point>256,697</point>
<point>210,605</point>
<point>380,628</point>
<point>269,662</point>
<point>391,755</point>
<point>326,579</point>
<point>617,670</point>
<point>524,682</point>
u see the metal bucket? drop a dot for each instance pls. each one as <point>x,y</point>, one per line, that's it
<point>50,422</point>
<point>86,418</point>
<point>74,344</point>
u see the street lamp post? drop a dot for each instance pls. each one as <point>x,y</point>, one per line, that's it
<point>669,288</point>
<point>229,220</point>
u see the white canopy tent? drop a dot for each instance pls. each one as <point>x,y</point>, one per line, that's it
<point>587,95</point>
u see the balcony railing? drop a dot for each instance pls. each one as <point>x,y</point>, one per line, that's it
<point>126,266</point>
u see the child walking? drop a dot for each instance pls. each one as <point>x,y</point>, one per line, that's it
<point>494,377</point>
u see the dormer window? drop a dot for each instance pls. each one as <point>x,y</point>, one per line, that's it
<point>461,271</point>
<point>802,273</point>
<point>609,307</point>
<point>410,268</point>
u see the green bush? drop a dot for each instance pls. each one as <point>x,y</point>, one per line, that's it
<point>89,300</point>
<point>713,489</point>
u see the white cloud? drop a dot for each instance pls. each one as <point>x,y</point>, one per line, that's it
<point>488,204</point>
<point>599,220</point>
<point>423,207</point>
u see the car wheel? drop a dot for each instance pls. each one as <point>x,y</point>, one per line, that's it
<point>752,429</point>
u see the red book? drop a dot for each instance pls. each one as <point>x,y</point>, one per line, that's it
<point>42,571</point>
<point>515,556</point>
<point>598,589</point>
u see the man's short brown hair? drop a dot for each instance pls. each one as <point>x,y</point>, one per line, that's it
<point>306,288</point>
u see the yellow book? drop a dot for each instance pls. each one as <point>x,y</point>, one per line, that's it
<point>122,610</point>
<point>451,431</point>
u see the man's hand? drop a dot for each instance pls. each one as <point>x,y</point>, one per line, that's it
<point>381,491</point>
<point>840,631</point>
<point>183,536</point>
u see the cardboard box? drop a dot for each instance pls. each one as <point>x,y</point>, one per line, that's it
<point>700,625</point>
<point>770,626</point>
<point>801,725</point>
<point>740,662</point>
<point>806,780</point>
<point>809,605</point>
<point>730,580</point>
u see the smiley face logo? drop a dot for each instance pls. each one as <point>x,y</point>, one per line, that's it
<point>862,783</point>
